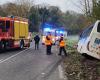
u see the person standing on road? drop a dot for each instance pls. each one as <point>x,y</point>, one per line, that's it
<point>50,36</point>
<point>62,46</point>
<point>37,39</point>
<point>48,44</point>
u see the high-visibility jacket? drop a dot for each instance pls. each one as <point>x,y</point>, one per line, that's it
<point>48,42</point>
<point>50,38</point>
<point>62,43</point>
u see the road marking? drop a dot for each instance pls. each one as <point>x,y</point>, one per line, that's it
<point>3,60</point>
<point>61,74</point>
<point>43,73</point>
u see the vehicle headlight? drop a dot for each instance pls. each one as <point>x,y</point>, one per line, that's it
<point>56,37</point>
<point>43,39</point>
<point>53,39</point>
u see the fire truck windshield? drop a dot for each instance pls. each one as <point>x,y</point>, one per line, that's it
<point>2,24</point>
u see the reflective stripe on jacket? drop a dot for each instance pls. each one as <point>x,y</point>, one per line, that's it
<point>62,43</point>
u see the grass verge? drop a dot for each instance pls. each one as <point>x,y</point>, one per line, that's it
<point>77,67</point>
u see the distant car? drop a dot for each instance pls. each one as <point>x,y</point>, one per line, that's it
<point>89,41</point>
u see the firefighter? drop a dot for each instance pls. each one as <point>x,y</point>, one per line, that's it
<point>50,36</point>
<point>62,46</point>
<point>48,44</point>
<point>37,39</point>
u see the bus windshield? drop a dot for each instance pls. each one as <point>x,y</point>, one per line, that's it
<point>86,32</point>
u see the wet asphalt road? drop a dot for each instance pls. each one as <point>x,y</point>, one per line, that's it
<point>29,64</point>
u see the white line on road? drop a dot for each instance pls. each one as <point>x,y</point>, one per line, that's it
<point>1,61</point>
<point>61,73</point>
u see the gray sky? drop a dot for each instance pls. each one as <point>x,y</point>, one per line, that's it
<point>62,4</point>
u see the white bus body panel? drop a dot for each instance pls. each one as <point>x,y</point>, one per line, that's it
<point>88,45</point>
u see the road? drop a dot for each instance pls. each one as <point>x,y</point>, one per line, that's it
<point>29,64</point>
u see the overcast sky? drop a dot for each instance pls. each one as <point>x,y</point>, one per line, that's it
<point>62,4</point>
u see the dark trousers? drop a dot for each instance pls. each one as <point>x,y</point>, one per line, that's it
<point>48,49</point>
<point>36,45</point>
<point>62,49</point>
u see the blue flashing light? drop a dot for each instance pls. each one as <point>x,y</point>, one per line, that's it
<point>57,31</point>
<point>46,29</point>
<point>46,25</point>
<point>61,32</point>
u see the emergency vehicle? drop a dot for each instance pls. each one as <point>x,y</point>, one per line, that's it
<point>14,32</point>
<point>55,33</point>
<point>47,31</point>
<point>60,33</point>
<point>89,41</point>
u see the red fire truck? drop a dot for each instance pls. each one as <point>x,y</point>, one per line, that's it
<point>14,32</point>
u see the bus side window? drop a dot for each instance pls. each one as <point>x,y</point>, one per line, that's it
<point>86,32</point>
<point>97,41</point>
<point>98,28</point>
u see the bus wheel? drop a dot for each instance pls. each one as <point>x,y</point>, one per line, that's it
<point>88,56</point>
<point>21,44</point>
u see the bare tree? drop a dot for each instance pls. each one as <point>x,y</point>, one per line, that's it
<point>18,8</point>
<point>89,7</point>
<point>10,9</point>
<point>23,7</point>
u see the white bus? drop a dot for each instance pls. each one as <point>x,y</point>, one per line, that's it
<point>89,41</point>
